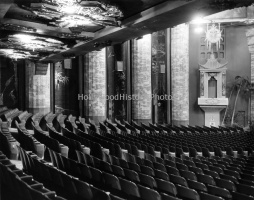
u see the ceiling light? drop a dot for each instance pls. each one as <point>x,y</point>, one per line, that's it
<point>24,38</point>
<point>70,9</point>
<point>198,29</point>
<point>198,20</point>
<point>72,13</point>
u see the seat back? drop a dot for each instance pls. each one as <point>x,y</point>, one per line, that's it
<point>148,194</point>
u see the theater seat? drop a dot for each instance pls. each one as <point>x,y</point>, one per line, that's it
<point>148,193</point>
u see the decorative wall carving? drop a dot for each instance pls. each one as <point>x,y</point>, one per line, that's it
<point>250,39</point>
<point>97,83</point>
<point>180,72</point>
<point>159,78</point>
<point>38,91</point>
<point>202,84</point>
<point>224,84</point>
<point>141,77</point>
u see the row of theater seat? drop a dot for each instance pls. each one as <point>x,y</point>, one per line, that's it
<point>242,164</point>
<point>65,184</point>
<point>179,181</point>
<point>15,184</point>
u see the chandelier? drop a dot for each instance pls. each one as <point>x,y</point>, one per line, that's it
<point>77,13</point>
<point>23,46</point>
<point>34,43</point>
<point>17,54</point>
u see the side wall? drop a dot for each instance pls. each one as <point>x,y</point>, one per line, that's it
<point>238,58</point>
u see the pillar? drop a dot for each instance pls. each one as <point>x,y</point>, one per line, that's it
<point>180,74</point>
<point>250,40</point>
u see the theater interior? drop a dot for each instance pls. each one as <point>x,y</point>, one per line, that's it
<point>126,99</point>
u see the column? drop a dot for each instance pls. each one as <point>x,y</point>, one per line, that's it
<point>95,85</point>
<point>250,40</point>
<point>141,80</point>
<point>180,74</point>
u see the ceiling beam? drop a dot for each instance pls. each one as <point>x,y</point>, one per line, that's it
<point>4,7</point>
<point>42,29</point>
<point>162,16</point>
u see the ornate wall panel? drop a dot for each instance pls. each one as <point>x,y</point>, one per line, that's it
<point>159,67</point>
<point>180,74</point>
<point>250,40</point>
<point>95,85</point>
<point>141,79</point>
<point>38,90</point>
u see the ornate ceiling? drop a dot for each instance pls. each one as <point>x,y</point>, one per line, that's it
<point>50,30</point>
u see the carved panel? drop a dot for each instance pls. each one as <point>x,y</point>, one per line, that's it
<point>180,72</point>
<point>205,53</point>
<point>141,77</point>
<point>202,84</point>
<point>224,84</point>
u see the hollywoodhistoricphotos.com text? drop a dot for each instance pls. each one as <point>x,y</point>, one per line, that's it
<point>121,97</point>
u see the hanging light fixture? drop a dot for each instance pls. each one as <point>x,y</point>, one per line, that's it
<point>17,54</point>
<point>72,13</point>
<point>22,46</point>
